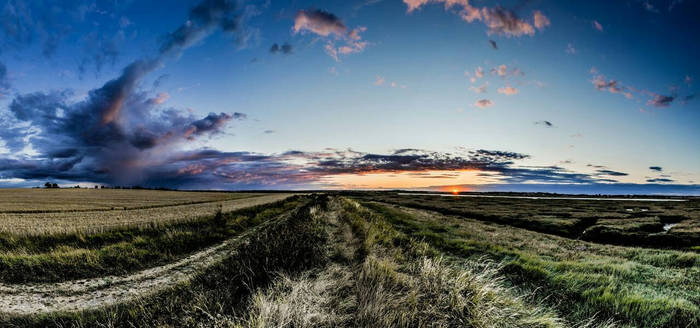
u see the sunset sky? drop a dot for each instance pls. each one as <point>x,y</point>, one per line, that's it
<point>563,96</point>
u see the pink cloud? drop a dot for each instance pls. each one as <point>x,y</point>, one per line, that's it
<point>483,103</point>
<point>541,21</point>
<point>508,91</point>
<point>597,26</point>
<point>498,19</point>
<point>329,26</point>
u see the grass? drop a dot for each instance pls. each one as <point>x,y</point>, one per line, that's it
<point>89,222</point>
<point>289,243</point>
<point>641,287</point>
<point>319,260</point>
<point>379,277</point>
<point>61,257</point>
<point>630,223</point>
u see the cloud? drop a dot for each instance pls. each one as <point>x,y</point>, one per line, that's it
<point>657,180</point>
<point>611,173</point>
<point>660,100</point>
<point>545,123</point>
<point>161,98</point>
<point>688,80</point>
<point>656,168</point>
<point>505,22</point>
<point>597,26</point>
<point>480,89</point>
<point>599,82</point>
<point>499,20</point>
<point>478,73</point>
<point>541,21</point>
<point>4,80</point>
<point>508,91</point>
<point>208,168</point>
<point>329,26</point>
<point>673,4</point>
<point>379,81</point>
<point>483,103</point>
<point>118,131</point>
<point>493,44</point>
<point>501,70</point>
<point>285,48</point>
<point>319,22</point>
<point>269,131</point>
<point>570,49</point>
<point>650,8</point>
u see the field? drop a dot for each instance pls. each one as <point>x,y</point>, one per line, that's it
<point>125,258</point>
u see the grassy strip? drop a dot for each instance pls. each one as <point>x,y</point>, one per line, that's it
<point>608,223</point>
<point>61,257</point>
<point>641,287</point>
<point>291,243</point>
<point>379,277</point>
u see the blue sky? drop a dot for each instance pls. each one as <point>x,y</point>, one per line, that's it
<point>583,92</point>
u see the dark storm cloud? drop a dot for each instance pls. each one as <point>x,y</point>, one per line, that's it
<point>117,133</point>
<point>656,168</point>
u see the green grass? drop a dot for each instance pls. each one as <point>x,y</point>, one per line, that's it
<point>642,287</point>
<point>629,223</point>
<point>60,257</point>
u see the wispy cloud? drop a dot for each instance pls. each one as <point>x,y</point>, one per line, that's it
<point>499,20</point>
<point>613,86</point>
<point>597,26</point>
<point>479,89</point>
<point>656,168</point>
<point>570,49</point>
<point>329,26</point>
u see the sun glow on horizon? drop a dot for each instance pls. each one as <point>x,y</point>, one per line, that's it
<point>447,180</point>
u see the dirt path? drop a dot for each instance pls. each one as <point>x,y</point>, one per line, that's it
<point>86,294</point>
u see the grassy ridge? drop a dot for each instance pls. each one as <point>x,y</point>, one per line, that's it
<point>60,257</point>
<point>642,287</point>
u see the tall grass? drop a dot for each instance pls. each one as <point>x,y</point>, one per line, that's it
<point>640,287</point>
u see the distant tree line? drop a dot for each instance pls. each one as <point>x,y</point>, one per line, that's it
<point>53,185</point>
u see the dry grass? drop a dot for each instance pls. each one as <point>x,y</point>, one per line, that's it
<point>377,284</point>
<point>101,220</point>
<point>69,199</point>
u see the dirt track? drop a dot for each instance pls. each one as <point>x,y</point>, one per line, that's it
<point>86,294</point>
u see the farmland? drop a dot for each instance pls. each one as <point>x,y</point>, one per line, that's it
<point>345,259</point>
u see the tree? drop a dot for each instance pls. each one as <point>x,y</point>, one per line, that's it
<point>48,185</point>
<point>54,185</point>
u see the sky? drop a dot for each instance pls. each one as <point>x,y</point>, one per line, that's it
<point>560,96</point>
